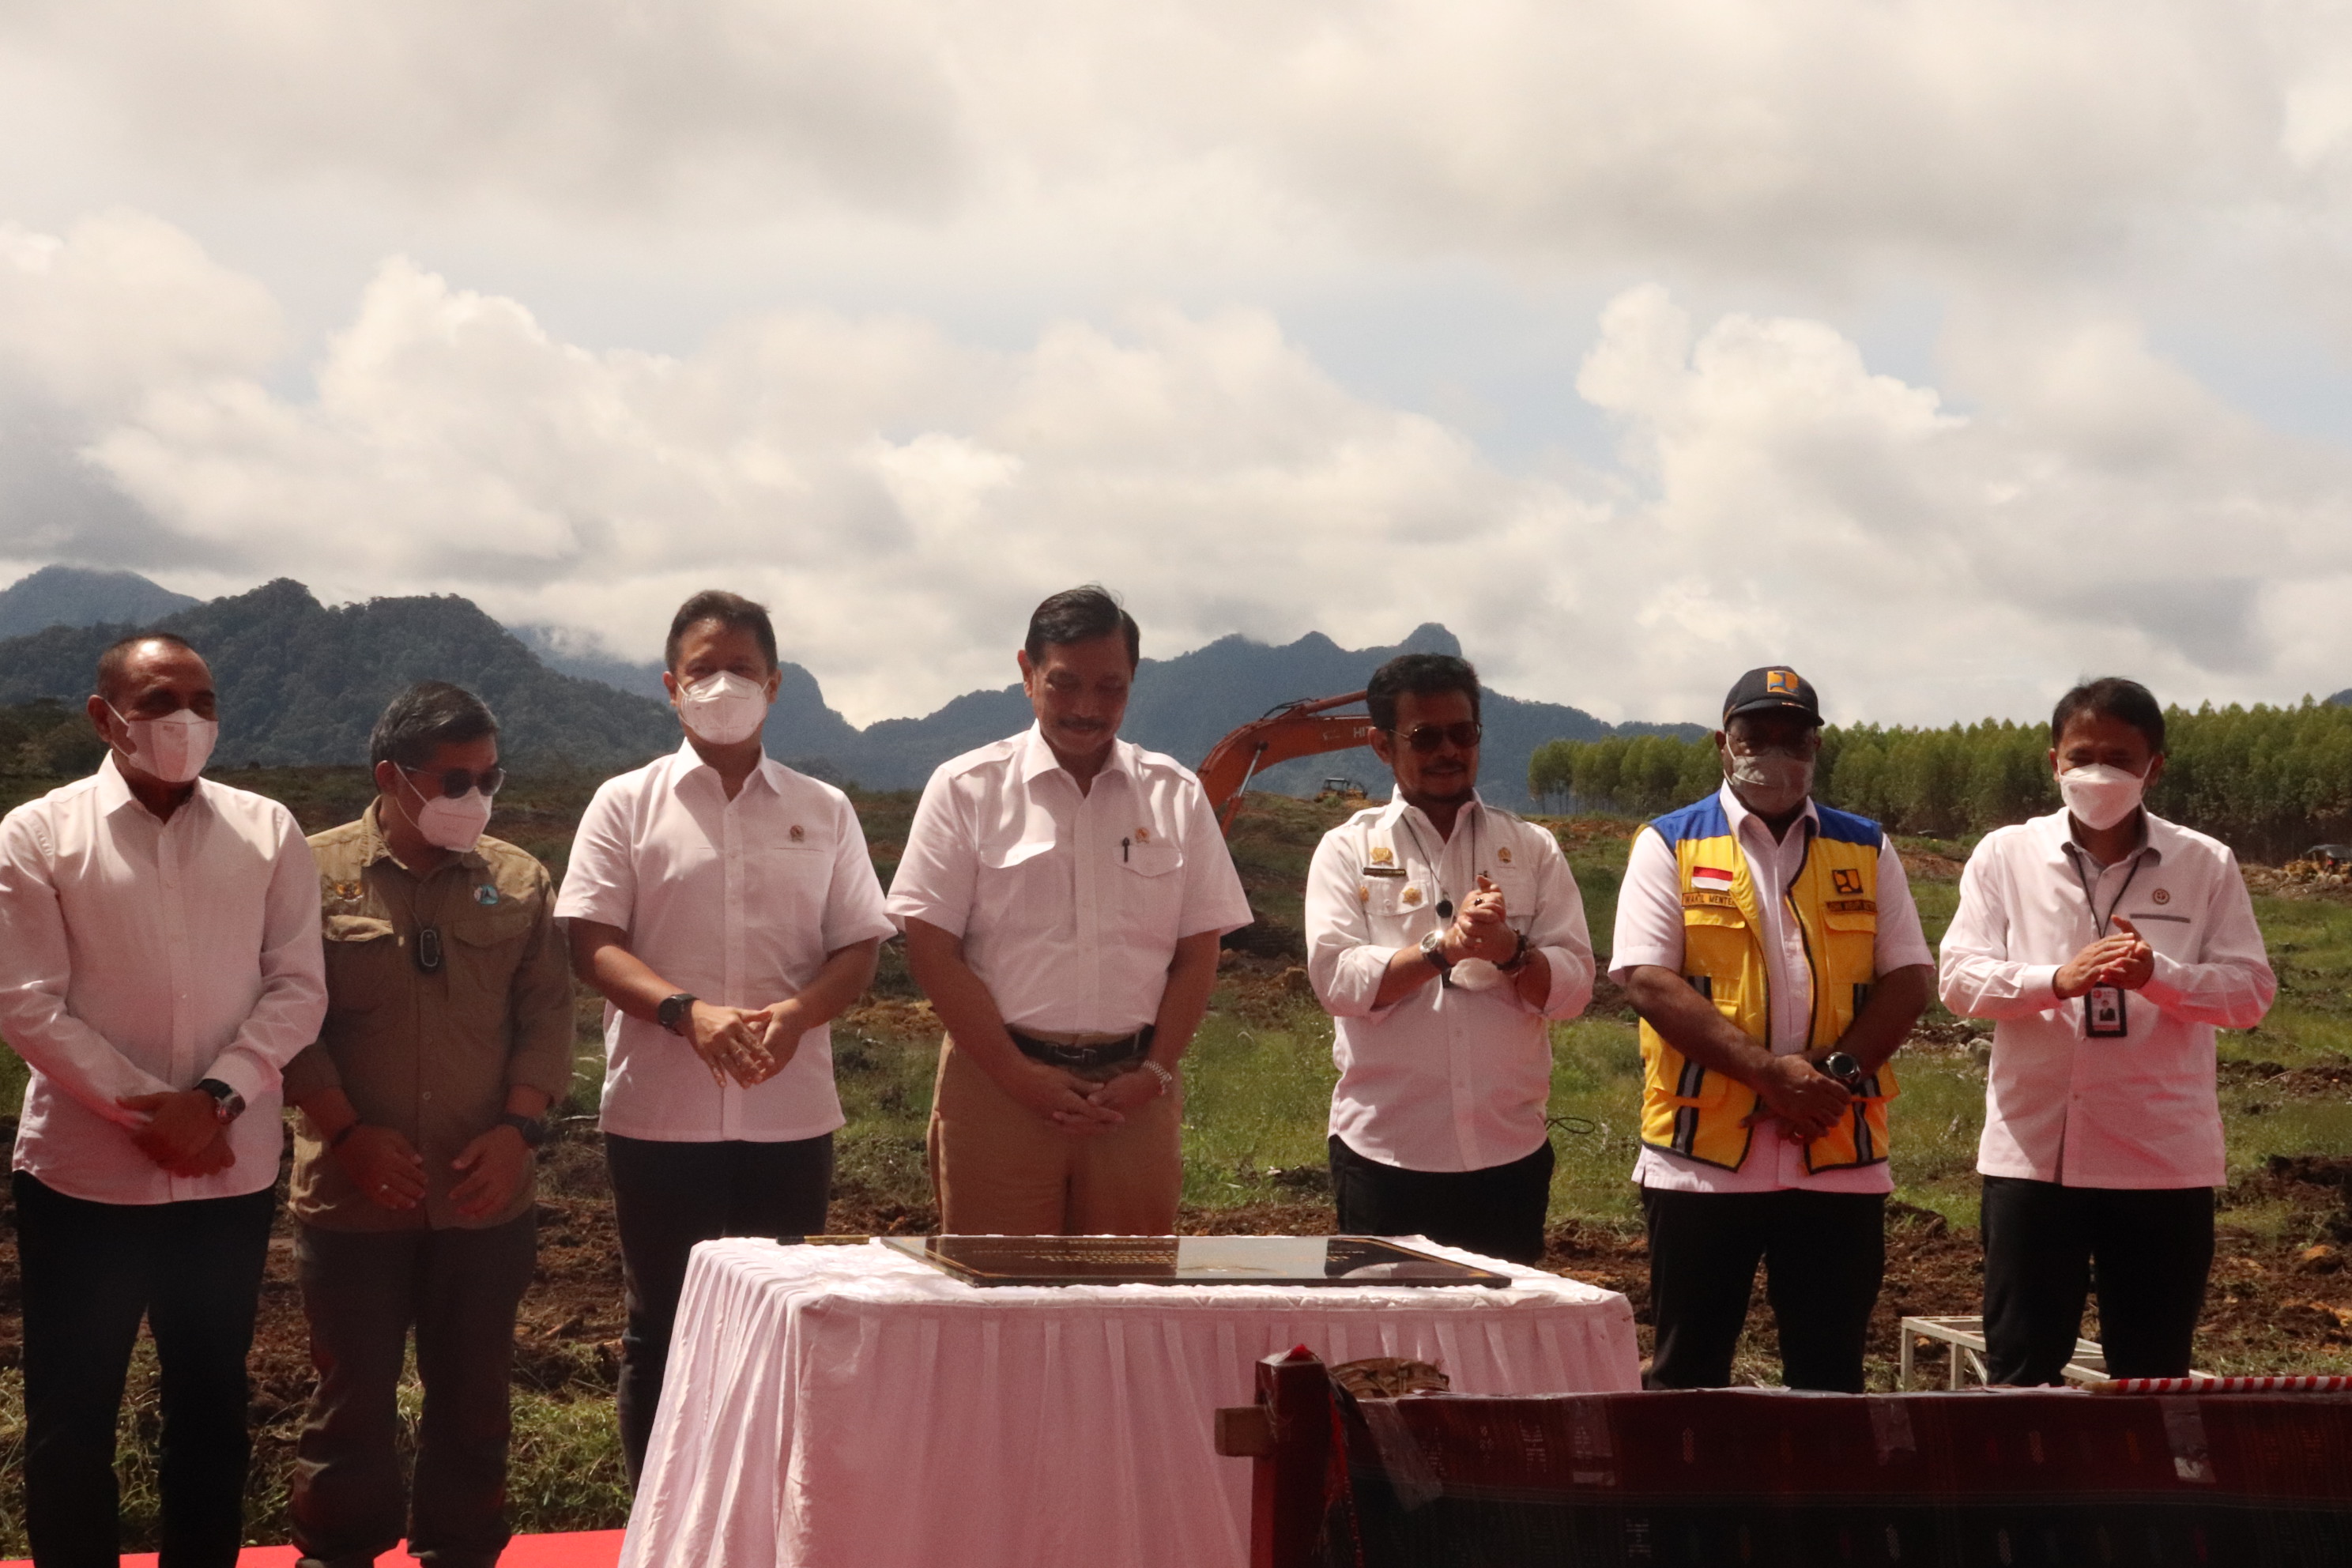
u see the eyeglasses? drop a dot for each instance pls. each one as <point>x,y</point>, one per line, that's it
<point>1429,737</point>
<point>456,781</point>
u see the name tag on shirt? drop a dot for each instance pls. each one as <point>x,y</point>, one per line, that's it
<point>2103,1013</point>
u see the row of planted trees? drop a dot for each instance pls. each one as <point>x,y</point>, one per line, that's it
<point>2269,780</point>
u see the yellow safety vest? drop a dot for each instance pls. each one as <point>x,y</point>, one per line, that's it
<point>1835,898</point>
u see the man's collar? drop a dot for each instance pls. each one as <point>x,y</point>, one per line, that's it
<point>114,791</point>
<point>375,846</point>
<point>1735,813</point>
<point>1037,758</point>
<point>2060,848</point>
<point>1398,805</point>
<point>685,759</point>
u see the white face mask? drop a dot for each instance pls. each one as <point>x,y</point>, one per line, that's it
<point>173,748</point>
<point>723,709</point>
<point>1769,783</point>
<point>2099,795</point>
<point>1473,974</point>
<point>447,824</point>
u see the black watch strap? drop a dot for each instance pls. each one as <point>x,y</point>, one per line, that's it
<point>228,1104</point>
<point>674,1010</point>
<point>532,1128</point>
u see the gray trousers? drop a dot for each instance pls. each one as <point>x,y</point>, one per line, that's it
<point>362,1292</point>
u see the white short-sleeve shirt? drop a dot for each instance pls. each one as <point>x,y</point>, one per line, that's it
<point>1070,904</point>
<point>738,901</point>
<point>1650,931</point>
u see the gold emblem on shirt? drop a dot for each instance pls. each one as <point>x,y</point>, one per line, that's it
<point>1382,854</point>
<point>1143,836</point>
<point>1364,893</point>
<point>1411,896</point>
<point>2162,895</point>
<point>1503,853</point>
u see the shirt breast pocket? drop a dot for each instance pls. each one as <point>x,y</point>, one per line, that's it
<point>1152,888</point>
<point>361,953</point>
<point>1518,889</point>
<point>488,947</point>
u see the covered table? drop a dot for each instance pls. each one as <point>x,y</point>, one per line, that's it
<point>851,1405</point>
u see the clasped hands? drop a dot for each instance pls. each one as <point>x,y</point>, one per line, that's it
<point>2122,959</point>
<point>183,1132</point>
<point>749,1044</point>
<point>1805,1101</point>
<point>1481,928</point>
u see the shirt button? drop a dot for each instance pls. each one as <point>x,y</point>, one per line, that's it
<point>426,1095</point>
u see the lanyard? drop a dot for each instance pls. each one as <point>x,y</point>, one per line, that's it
<point>2099,922</point>
<point>1445,900</point>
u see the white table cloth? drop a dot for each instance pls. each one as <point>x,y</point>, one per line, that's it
<point>851,1407</point>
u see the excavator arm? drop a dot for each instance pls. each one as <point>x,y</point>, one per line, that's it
<point>1301,728</point>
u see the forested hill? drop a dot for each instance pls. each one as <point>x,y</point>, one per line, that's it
<point>303,683</point>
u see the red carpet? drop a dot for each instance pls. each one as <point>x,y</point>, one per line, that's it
<point>589,1548</point>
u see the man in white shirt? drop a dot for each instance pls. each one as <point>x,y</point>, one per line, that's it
<point>2107,945</point>
<point>1773,953</point>
<point>1062,894</point>
<point>726,907</point>
<point>1442,935</point>
<point>159,966</point>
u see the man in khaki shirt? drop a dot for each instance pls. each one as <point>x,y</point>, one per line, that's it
<point>448,1033</point>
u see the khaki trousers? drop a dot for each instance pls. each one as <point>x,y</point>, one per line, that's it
<point>1000,1169</point>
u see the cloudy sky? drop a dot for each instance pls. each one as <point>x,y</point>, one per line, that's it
<point>1945,350</point>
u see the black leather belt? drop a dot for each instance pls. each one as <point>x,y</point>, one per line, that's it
<point>1109,1053</point>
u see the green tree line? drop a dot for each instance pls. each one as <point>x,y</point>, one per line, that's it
<point>2269,780</point>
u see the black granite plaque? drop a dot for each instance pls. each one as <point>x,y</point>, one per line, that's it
<point>1295,1260</point>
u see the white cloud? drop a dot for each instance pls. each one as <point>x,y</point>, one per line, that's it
<point>1818,134</point>
<point>903,498</point>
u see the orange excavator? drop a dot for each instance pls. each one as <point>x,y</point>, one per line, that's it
<point>1301,728</point>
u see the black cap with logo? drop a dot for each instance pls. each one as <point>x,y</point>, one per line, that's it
<point>1775,688</point>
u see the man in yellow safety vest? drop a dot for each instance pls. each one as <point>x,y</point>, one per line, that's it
<point>1771,948</point>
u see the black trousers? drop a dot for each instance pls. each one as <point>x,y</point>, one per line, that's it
<point>668,1196</point>
<point>362,1291</point>
<point>91,1271</point>
<point>1823,1256</point>
<point>2147,1252</point>
<point>1498,1212</point>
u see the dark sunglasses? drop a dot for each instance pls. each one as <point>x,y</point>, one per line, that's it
<point>458,781</point>
<point>1427,738</point>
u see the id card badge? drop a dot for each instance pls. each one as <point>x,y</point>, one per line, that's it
<point>2103,1013</point>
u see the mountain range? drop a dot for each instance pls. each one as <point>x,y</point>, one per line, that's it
<point>302,682</point>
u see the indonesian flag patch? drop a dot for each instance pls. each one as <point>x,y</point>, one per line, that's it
<point>1710,880</point>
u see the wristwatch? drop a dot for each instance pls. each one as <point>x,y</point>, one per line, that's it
<point>228,1104</point>
<point>532,1128</point>
<point>1432,948</point>
<point>1518,959</point>
<point>675,1011</point>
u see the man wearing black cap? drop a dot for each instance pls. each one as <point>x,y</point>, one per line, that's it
<point>1771,946</point>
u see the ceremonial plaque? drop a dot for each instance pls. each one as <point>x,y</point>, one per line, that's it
<point>1294,1260</point>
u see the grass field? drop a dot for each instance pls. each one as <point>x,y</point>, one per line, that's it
<point>1258,1084</point>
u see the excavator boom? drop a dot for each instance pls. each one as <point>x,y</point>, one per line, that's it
<point>1301,728</point>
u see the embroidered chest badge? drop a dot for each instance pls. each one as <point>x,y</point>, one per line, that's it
<point>798,832</point>
<point>1503,853</point>
<point>1364,893</point>
<point>1143,836</point>
<point>1411,896</point>
<point>1383,855</point>
<point>2162,895</point>
<point>1848,883</point>
<point>486,895</point>
<point>1710,878</point>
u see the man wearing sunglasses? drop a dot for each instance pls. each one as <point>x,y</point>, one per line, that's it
<point>448,1034</point>
<point>1442,935</point>
<point>1771,946</point>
